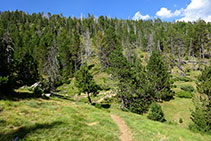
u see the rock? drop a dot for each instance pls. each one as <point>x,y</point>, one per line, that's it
<point>48,95</point>
<point>34,85</point>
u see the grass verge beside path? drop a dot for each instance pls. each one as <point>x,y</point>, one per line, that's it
<point>54,120</point>
<point>144,129</point>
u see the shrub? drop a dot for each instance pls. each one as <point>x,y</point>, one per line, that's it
<point>174,86</point>
<point>188,70</point>
<point>172,122</point>
<point>180,120</point>
<point>186,58</point>
<point>188,88</point>
<point>38,91</point>
<point>184,94</point>
<point>156,113</point>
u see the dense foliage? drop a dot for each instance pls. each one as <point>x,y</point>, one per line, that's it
<point>85,83</point>
<point>201,116</point>
<point>156,113</point>
<point>159,76</point>
<point>53,47</point>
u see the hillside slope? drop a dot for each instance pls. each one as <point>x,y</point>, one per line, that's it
<point>58,119</point>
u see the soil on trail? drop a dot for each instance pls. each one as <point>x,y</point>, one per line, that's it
<point>125,134</point>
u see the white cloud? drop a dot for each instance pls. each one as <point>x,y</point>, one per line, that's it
<point>165,13</point>
<point>197,9</point>
<point>138,16</point>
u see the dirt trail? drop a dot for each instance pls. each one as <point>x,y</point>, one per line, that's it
<point>125,134</point>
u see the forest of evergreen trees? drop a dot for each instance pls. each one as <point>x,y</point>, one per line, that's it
<point>51,48</point>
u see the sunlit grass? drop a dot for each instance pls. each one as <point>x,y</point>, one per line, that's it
<point>144,129</point>
<point>54,120</point>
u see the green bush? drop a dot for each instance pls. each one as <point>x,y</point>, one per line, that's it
<point>174,86</point>
<point>188,70</point>
<point>172,122</point>
<point>38,91</point>
<point>180,120</point>
<point>184,94</point>
<point>186,58</point>
<point>188,88</point>
<point>156,113</point>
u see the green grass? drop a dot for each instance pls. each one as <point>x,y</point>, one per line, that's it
<point>144,129</point>
<point>54,120</point>
<point>176,109</point>
<point>58,119</point>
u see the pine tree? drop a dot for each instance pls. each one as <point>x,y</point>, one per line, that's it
<point>7,63</point>
<point>201,116</point>
<point>85,83</point>
<point>134,89</point>
<point>159,76</point>
<point>156,113</point>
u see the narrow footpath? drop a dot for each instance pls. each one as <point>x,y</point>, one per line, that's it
<point>125,134</point>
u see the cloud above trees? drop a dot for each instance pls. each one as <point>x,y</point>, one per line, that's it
<point>139,16</point>
<point>165,13</point>
<point>196,9</point>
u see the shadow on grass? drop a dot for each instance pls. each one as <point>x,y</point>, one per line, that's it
<point>103,105</point>
<point>16,96</point>
<point>61,96</point>
<point>23,131</point>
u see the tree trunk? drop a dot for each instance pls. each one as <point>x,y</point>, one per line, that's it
<point>190,47</point>
<point>203,51</point>
<point>90,101</point>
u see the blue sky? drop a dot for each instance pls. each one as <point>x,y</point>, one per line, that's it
<point>145,9</point>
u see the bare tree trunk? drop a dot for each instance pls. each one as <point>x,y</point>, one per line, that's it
<point>203,51</point>
<point>159,45</point>
<point>150,43</point>
<point>90,101</point>
<point>51,66</point>
<point>135,29</point>
<point>172,46</point>
<point>190,47</point>
<point>200,53</point>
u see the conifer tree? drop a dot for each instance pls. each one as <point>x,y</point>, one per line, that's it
<point>201,116</point>
<point>85,83</point>
<point>159,76</point>
<point>134,89</point>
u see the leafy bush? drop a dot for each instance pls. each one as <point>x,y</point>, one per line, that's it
<point>156,113</point>
<point>188,88</point>
<point>184,94</point>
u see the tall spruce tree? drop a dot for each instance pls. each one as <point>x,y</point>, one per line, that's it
<point>159,76</point>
